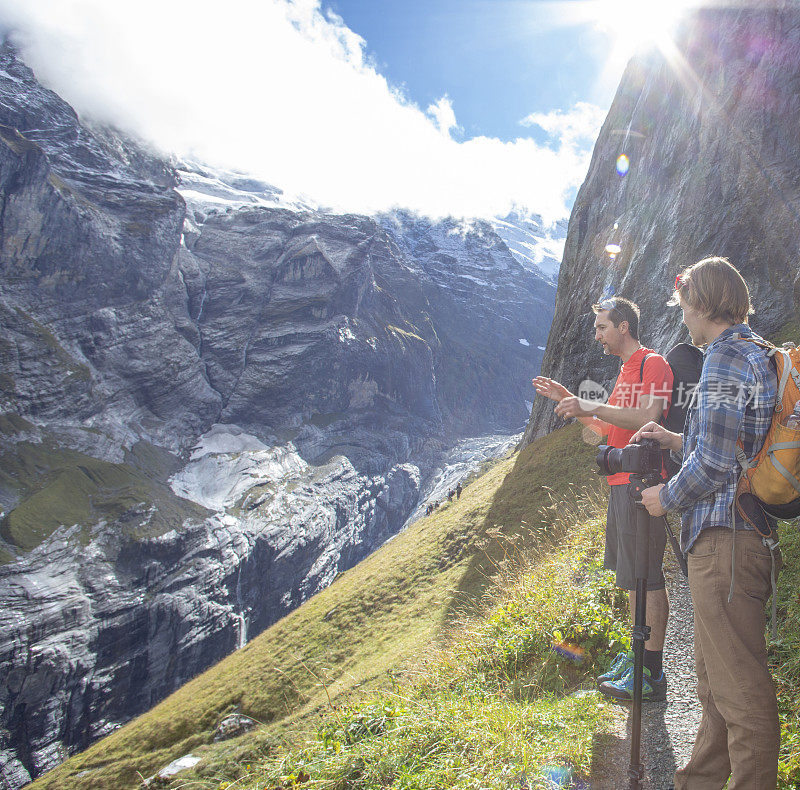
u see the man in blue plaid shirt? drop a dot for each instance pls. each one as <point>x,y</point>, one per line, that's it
<point>729,563</point>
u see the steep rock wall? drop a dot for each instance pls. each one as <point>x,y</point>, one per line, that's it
<point>710,129</point>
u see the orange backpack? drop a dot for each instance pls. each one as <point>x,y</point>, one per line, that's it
<point>770,483</point>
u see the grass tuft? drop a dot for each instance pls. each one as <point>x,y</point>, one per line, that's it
<point>784,658</point>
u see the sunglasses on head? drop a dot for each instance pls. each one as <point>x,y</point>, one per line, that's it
<point>611,306</point>
<point>679,282</point>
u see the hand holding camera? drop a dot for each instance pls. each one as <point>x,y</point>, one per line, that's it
<point>642,459</point>
<point>658,433</point>
<point>651,501</point>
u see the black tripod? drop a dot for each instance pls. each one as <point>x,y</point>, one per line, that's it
<point>641,632</point>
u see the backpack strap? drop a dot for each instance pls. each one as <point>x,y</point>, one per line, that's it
<point>790,478</point>
<point>741,457</point>
<point>641,367</point>
<point>641,381</point>
<point>743,487</point>
<point>788,370</point>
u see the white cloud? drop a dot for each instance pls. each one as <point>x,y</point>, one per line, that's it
<point>577,126</point>
<point>280,89</point>
<point>444,115</point>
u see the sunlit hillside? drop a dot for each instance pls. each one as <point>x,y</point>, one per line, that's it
<point>373,619</point>
<point>430,664</point>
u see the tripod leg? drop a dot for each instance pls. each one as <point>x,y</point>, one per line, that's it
<point>640,634</point>
<point>676,548</point>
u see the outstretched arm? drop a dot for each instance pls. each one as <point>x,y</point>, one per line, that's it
<point>622,416</point>
<point>560,394</point>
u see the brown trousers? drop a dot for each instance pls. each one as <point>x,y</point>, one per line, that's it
<point>739,734</point>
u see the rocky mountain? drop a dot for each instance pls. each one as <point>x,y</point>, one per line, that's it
<point>210,407</point>
<point>710,130</point>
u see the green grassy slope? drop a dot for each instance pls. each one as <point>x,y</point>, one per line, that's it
<point>784,658</point>
<point>349,636</point>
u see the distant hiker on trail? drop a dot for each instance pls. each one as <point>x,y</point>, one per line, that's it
<point>730,564</point>
<point>642,393</point>
<point>450,495</point>
<point>458,491</point>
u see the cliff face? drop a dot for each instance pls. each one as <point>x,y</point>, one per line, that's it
<point>711,133</point>
<point>206,415</point>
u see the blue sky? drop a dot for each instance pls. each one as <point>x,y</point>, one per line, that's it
<point>497,60</point>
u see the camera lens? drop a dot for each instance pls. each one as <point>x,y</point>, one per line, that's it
<point>641,458</point>
<point>608,459</point>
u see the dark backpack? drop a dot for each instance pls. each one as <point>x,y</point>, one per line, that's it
<point>686,362</point>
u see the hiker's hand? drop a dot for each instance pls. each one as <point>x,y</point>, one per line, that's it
<point>571,407</point>
<point>666,439</point>
<point>651,501</point>
<point>550,388</point>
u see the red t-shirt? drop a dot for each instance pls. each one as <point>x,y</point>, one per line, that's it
<point>656,380</point>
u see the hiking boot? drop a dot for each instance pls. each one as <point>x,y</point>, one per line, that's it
<point>618,667</point>
<point>622,688</point>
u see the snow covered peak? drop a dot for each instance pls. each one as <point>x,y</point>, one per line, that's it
<point>538,247</point>
<point>206,189</point>
<point>534,244</point>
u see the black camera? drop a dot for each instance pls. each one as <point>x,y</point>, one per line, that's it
<point>640,458</point>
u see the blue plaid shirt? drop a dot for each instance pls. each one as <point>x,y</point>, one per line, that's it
<point>734,400</point>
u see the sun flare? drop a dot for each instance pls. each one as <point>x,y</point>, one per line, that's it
<point>637,24</point>
<point>628,27</point>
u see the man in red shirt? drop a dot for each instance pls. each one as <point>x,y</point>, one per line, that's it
<point>642,392</point>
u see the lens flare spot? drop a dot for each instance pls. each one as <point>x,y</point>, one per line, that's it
<point>623,164</point>
<point>568,651</point>
<point>612,250</point>
<point>556,776</point>
<point>589,436</point>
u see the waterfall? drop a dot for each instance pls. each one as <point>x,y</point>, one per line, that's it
<point>241,613</point>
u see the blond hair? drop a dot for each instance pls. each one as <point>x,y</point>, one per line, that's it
<point>715,289</point>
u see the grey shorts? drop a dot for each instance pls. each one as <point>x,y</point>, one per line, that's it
<point>621,542</point>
